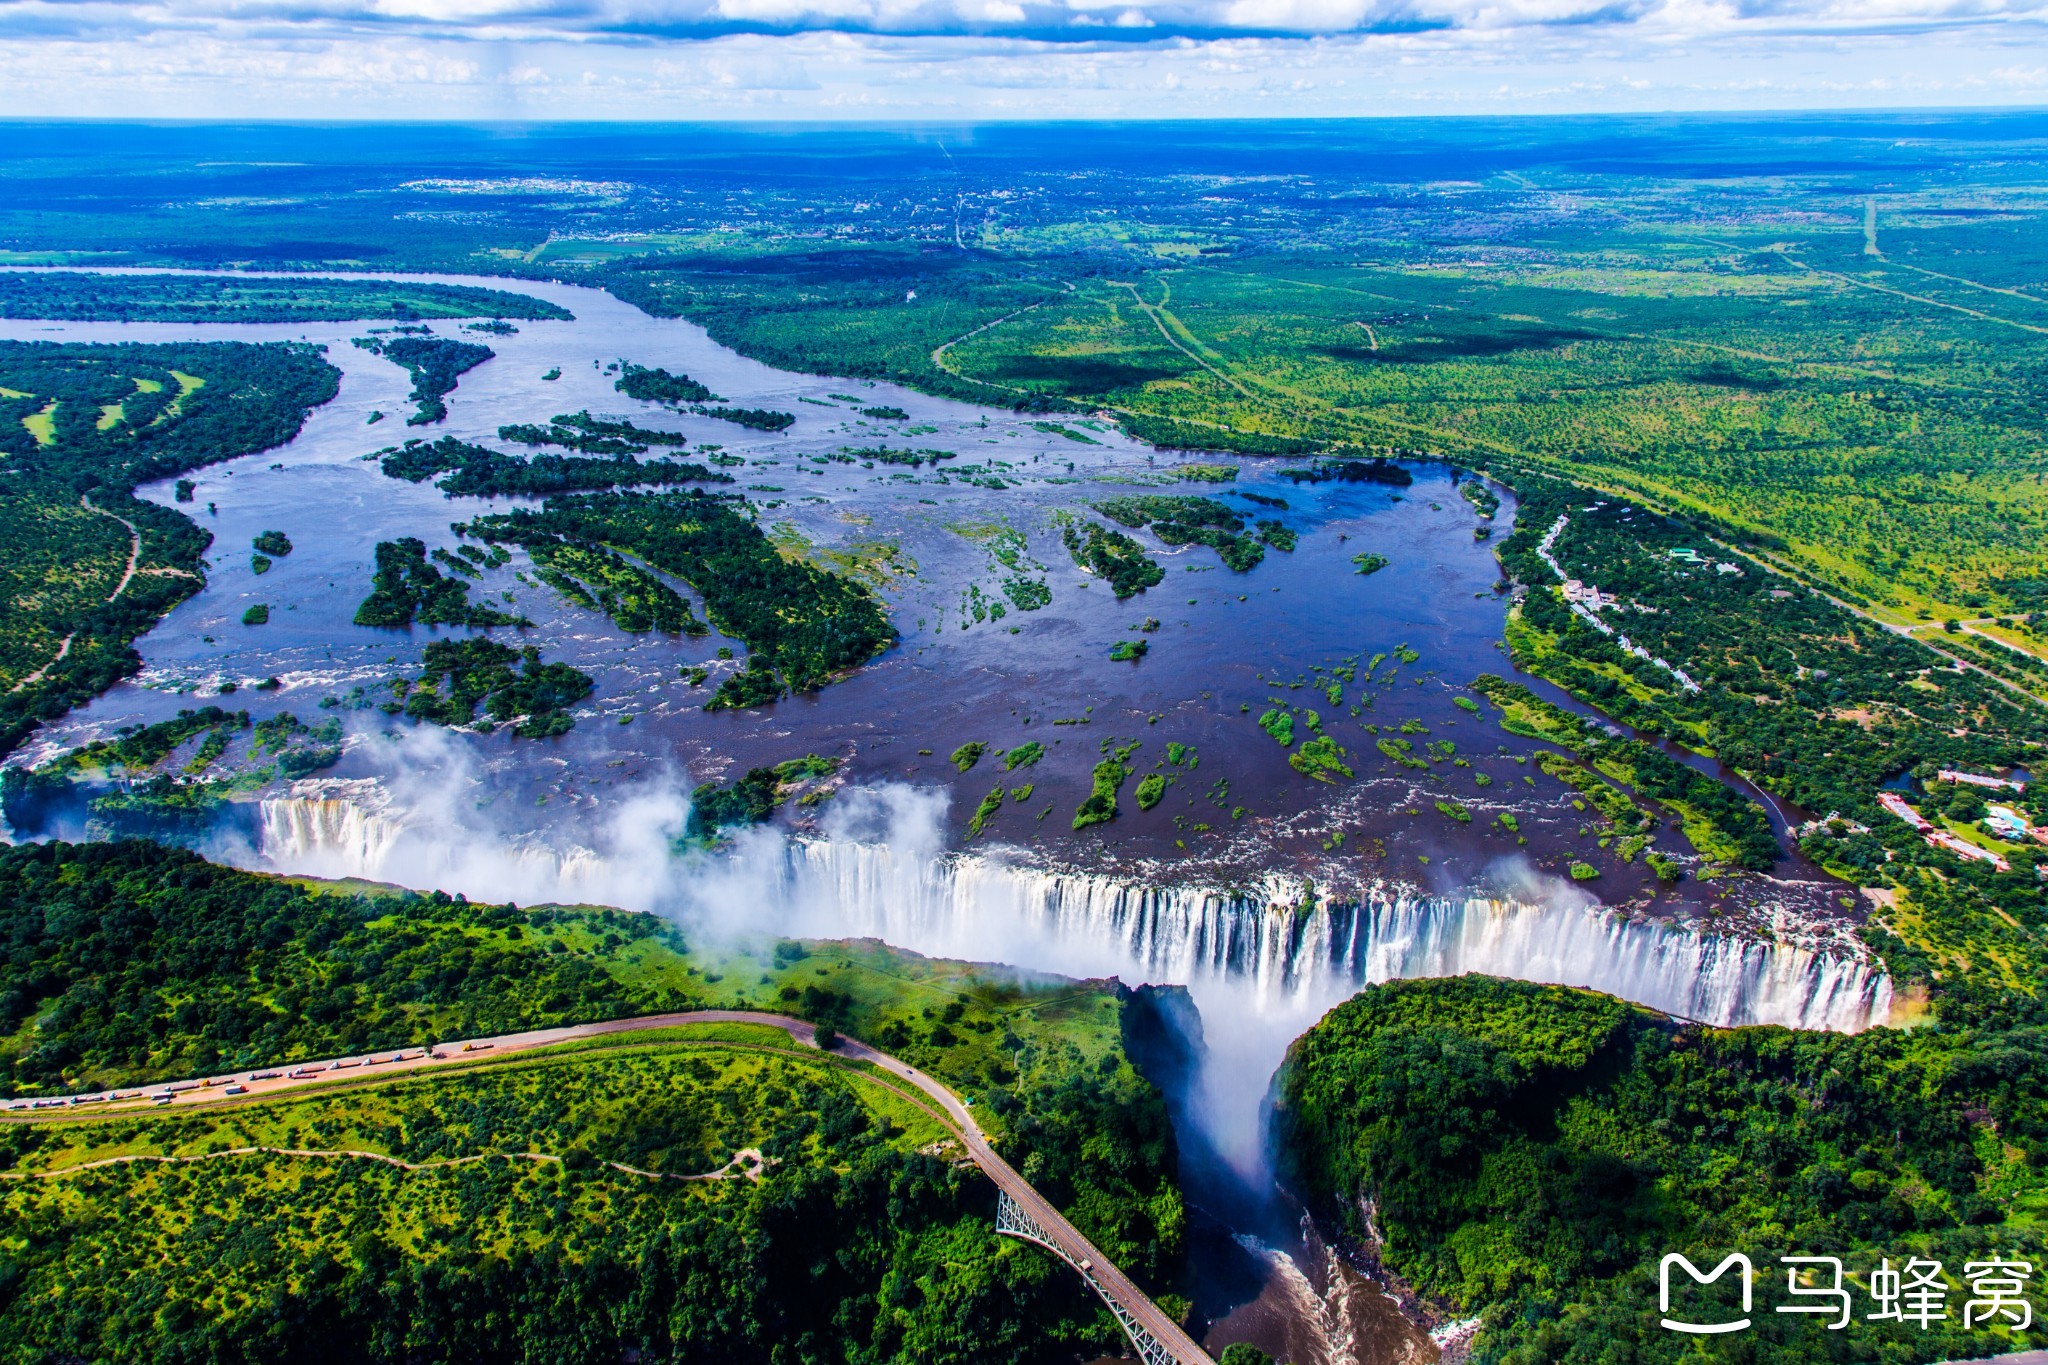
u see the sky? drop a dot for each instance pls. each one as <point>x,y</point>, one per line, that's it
<point>887,60</point>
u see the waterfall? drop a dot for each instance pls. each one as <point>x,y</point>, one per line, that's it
<point>978,906</point>
<point>1261,964</point>
<point>331,829</point>
<point>1277,955</point>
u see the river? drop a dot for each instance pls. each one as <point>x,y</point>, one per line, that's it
<point>1270,896</point>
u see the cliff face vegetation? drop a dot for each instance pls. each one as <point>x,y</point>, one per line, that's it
<point>1528,1154</point>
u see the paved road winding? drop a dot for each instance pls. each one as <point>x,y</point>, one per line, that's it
<point>271,1081</point>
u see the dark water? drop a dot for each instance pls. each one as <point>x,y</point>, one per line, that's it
<point>1226,647</point>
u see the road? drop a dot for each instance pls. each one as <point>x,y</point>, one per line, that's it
<point>270,1081</point>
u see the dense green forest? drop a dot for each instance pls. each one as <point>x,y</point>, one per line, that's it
<point>436,364</point>
<point>801,624</point>
<point>1197,521</point>
<point>126,962</point>
<point>1528,1154</point>
<point>834,310</point>
<point>855,1247</point>
<point>760,419</point>
<point>76,295</point>
<point>474,471</point>
<point>654,385</point>
<point>1725,827</point>
<point>1795,692</point>
<point>754,796</point>
<point>599,580</point>
<point>1112,555</point>
<point>80,427</point>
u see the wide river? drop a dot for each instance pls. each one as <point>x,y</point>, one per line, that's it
<point>1177,893</point>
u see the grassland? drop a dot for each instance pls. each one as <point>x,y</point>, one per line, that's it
<point>1871,426</point>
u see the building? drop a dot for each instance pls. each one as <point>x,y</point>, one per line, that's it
<point>1978,779</point>
<point>2010,824</point>
<point>1896,804</point>
<point>1963,848</point>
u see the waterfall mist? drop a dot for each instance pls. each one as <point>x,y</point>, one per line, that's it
<point>1261,964</point>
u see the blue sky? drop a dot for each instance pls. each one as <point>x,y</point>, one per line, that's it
<point>999,59</point>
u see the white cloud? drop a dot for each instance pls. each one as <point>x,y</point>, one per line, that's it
<point>994,59</point>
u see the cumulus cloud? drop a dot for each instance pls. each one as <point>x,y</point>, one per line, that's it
<point>1045,20</point>
<point>997,59</point>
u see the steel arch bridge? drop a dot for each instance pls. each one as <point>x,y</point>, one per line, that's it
<point>1013,1220</point>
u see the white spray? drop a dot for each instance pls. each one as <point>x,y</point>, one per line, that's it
<point>1261,966</point>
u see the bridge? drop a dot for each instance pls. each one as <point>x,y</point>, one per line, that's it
<point>1021,1212</point>
<point>1157,1338</point>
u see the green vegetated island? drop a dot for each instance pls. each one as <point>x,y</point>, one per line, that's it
<point>85,296</point>
<point>436,365</point>
<point>802,625</point>
<point>712,1192</point>
<point>90,565</point>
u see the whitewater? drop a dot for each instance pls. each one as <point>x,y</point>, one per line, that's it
<point>1262,964</point>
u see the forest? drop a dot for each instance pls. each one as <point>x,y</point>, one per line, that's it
<point>80,427</point>
<point>406,589</point>
<point>1528,1154</point>
<point>855,1248</point>
<point>1809,701</point>
<point>127,962</point>
<point>654,385</point>
<point>1118,559</point>
<point>81,296</point>
<point>599,580</point>
<point>592,435</point>
<point>801,624</point>
<point>1198,521</point>
<point>512,685</point>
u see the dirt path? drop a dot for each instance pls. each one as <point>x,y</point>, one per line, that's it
<point>1917,298</point>
<point>938,356</point>
<point>736,1169</point>
<point>1159,315</point>
<point>134,544</point>
<point>127,577</point>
